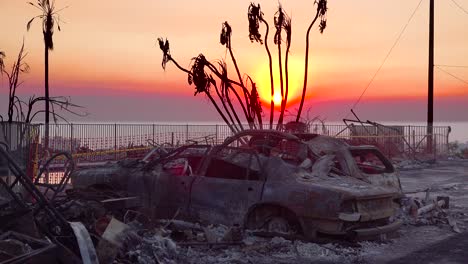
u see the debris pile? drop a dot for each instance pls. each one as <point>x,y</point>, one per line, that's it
<point>419,212</point>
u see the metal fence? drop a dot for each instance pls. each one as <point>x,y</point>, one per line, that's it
<point>91,143</point>
<point>394,140</point>
<point>115,139</point>
<point>20,140</point>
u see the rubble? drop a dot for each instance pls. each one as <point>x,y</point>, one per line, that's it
<point>110,226</point>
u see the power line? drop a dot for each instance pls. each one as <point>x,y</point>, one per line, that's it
<point>461,7</point>
<point>450,66</point>
<point>454,76</point>
<point>386,57</point>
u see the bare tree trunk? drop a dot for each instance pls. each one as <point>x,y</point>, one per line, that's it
<point>244,89</point>
<point>285,100</point>
<point>280,119</point>
<point>246,93</point>
<point>306,68</point>
<point>220,112</point>
<point>226,109</point>
<point>47,110</point>
<point>232,108</point>
<point>272,104</point>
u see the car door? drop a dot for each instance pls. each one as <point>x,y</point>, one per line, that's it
<point>173,182</point>
<point>227,187</point>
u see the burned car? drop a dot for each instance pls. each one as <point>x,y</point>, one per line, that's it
<point>262,180</point>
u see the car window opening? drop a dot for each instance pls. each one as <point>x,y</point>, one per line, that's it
<point>370,162</point>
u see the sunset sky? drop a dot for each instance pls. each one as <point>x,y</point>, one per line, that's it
<point>107,60</point>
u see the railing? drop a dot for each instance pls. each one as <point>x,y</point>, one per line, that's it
<point>91,143</point>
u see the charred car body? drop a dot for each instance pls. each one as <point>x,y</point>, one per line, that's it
<point>263,180</point>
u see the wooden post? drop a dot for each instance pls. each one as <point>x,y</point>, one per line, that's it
<point>115,141</point>
<point>430,92</point>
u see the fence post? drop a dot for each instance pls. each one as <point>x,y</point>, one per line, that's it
<point>216,135</point>
<point>115,141</point>
<point>71,138</point>
<point>186,133</point>
<point>153,133</point>
<point>447,132</point>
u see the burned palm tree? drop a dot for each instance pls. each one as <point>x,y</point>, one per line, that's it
<point>197,76</point>
<point>288,29</point>
<point>49,18</point>
<point>223,95</point>
<point>203,82</point>
<point>282,22</point>
<point>204,74</point>
<point>225,39</point>
<point>255,16</point>
<point>321,13</point>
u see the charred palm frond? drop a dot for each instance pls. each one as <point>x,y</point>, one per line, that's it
<point>287,26</point>
<point>49,16</point>
<point>255,104</point>
<point>254,16</point>
<point>164,46</point>
<point>322,12</point>
<point>278,20</point>
<point>225,36</point>
<point>198,76</point>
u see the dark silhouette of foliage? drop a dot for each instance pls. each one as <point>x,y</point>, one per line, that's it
<point>21,111</point>
<point>254,16</point>
<point>205,76</point>
<point>164,46</point>
<point>49,17</point>
<point>286,25</point>
<point>14,81</point>
<point>225,36</point>
<point>225,40</point>
<point>321,13</point>
<point>199,78</point>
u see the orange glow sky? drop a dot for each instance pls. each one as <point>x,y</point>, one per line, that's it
<point>107,49</point>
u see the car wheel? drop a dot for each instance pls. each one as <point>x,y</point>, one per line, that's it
<point>278,225</point>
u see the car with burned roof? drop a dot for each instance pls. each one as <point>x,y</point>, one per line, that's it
<point>265,180</point>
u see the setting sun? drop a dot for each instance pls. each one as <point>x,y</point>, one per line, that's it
<point>277,98</point>
<point>262,77</point>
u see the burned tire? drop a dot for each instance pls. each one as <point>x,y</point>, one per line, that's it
<point>278,225</point>
<point>273,219</point>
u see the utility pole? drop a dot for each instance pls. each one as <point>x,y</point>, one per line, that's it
<point>430,91</point>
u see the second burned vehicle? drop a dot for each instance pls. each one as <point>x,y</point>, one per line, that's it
<point>263,180</point>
